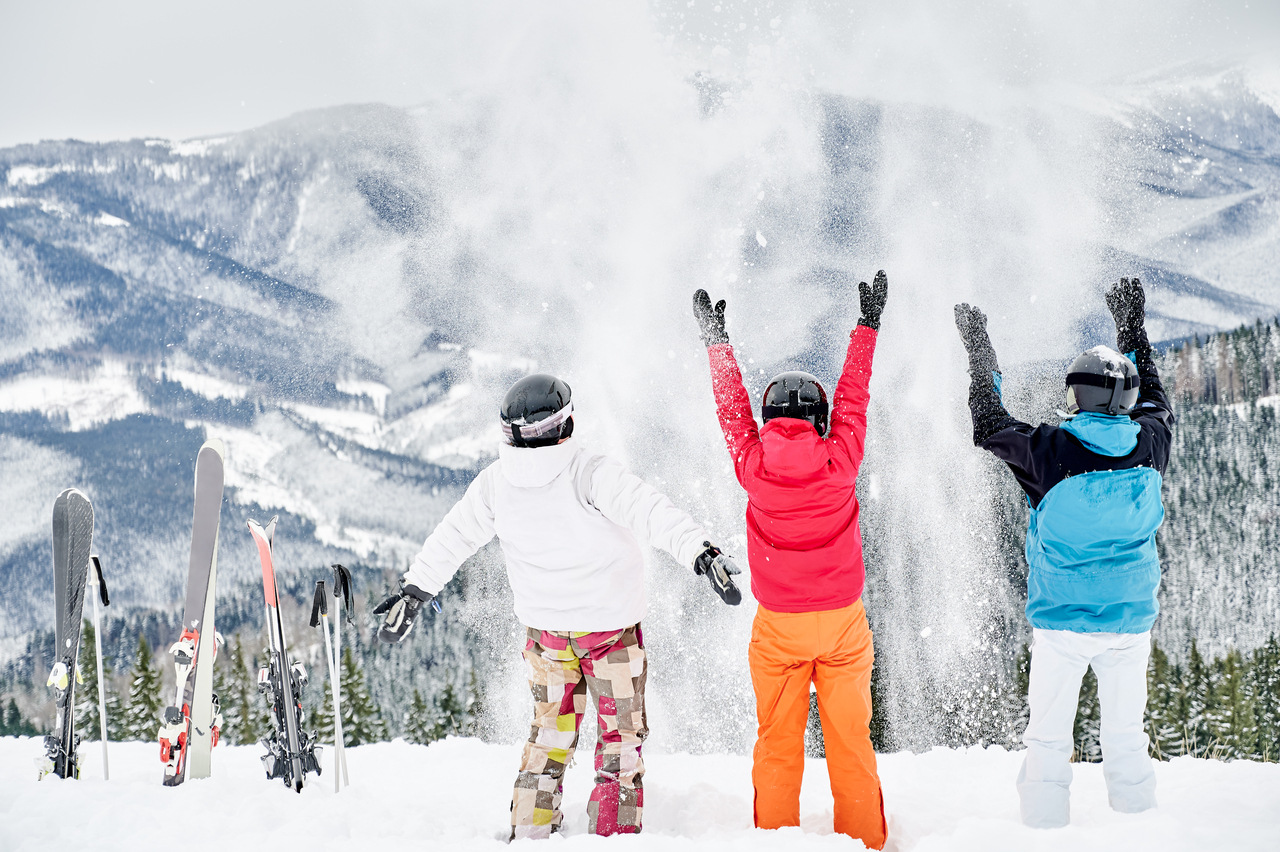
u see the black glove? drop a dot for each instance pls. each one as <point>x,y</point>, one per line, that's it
<point>1128,305</point>
<point>710,320</point>
<point>972,324</point>
<point>872,300</point>
<point>401,609</point>
<point>719,568</point>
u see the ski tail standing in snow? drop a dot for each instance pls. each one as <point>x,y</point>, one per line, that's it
<point>571,524</point>
<point>1093,487</point>
<point>804,547</point>
<point>72,542</point>
<point>189,727</point>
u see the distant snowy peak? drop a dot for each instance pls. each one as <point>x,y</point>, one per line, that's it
<point>1232,106</point>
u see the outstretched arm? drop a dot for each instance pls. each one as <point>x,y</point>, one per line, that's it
<point>629,501</point>
<point>463,531</point>
<point>989,414</point>
<point>733,405</point>
<point>1128,304</point>
<point>852,396</point>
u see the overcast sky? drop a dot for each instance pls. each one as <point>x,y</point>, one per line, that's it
<point>108,69</point>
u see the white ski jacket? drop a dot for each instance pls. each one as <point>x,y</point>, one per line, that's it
<point>568,521</point>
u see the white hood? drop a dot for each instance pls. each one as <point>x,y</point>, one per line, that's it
<point>532,467</point>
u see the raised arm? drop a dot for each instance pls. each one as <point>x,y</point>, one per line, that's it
<point>849,405</point>
<point>1128,304</point>
<point>733,405</point>
<point>989,414</point>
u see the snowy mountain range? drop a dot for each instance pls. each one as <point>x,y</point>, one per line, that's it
<point>341,297</point>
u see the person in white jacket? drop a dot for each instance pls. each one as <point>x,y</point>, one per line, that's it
<point>571,524</point>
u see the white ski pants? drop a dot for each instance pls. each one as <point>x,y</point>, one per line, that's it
<point>1059,659</point>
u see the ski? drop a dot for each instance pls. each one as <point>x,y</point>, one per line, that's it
<point>291,753</point>
<point>189,726</point>
<point>72,540</point>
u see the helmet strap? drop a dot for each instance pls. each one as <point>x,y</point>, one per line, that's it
<point>1117,388</point>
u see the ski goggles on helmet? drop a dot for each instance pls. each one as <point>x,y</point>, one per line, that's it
<point>518,432</point>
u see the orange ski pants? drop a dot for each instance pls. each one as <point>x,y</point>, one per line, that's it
<point>832,649</point>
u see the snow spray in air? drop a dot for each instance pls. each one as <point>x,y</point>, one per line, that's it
<point>595,172</point>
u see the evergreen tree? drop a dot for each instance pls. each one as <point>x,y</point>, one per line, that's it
<point>1017,710</point>
<point>142,714</point>
<point>87,716</point>
<point>13,724</point>
<point>418,722</point>
<point>451,717</point>
<point>475,705</point>
<point>116,706</point>
<point>1232,724</point>
<point>1199,703</point>
<point>1088,721</point>
<point>244,711</point>
<point>1265,674</point>
<point>1179,740</point>
<point>1163,727</point>
<point>320,719</point>
<point>361,721</point>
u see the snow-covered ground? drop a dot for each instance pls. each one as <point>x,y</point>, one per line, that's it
<point>454,795</point>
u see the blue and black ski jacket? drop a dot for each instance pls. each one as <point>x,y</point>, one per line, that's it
<point>1093,485</point>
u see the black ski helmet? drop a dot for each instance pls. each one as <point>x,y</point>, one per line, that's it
<point>537,411</point>
<point>796,394</point>
<point>1103,381</point>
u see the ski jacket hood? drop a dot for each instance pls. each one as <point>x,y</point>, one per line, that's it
<point>530,467</point>
<point>1112,435</point>
<point>804,545</point>
<point>792,447</point>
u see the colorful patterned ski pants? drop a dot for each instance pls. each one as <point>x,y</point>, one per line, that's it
<point>562,667</point>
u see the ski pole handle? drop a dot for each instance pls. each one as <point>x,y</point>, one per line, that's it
<point>342,589</point>
<point>319,604</point>
<point>102,581</point>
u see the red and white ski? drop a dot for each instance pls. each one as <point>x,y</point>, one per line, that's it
<point>291,753</point>
<point>190,726</point>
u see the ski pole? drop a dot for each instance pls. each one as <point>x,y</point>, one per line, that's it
<point>320,618</point>
<point>101,583</point>
<point>342,600</point>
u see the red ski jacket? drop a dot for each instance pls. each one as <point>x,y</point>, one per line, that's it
<point>803,542</point>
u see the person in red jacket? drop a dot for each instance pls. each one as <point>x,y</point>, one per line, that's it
<point>805,552</point>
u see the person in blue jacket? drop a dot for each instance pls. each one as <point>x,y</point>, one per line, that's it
<point>1093,485</point>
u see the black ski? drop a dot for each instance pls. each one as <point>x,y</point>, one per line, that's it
<point>189,727</point>
<point>72,540</point>
<point>291,753</point>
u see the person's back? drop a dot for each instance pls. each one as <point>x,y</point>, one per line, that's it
<point>571,524</point>
<point>805,551</point>
<point>1093,487</point>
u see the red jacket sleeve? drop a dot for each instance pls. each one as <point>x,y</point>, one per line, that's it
<point>849,407</point>
<point>733,406</point>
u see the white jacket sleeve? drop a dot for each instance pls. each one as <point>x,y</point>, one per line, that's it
<point>463,531</point>
<point>629,501</point>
